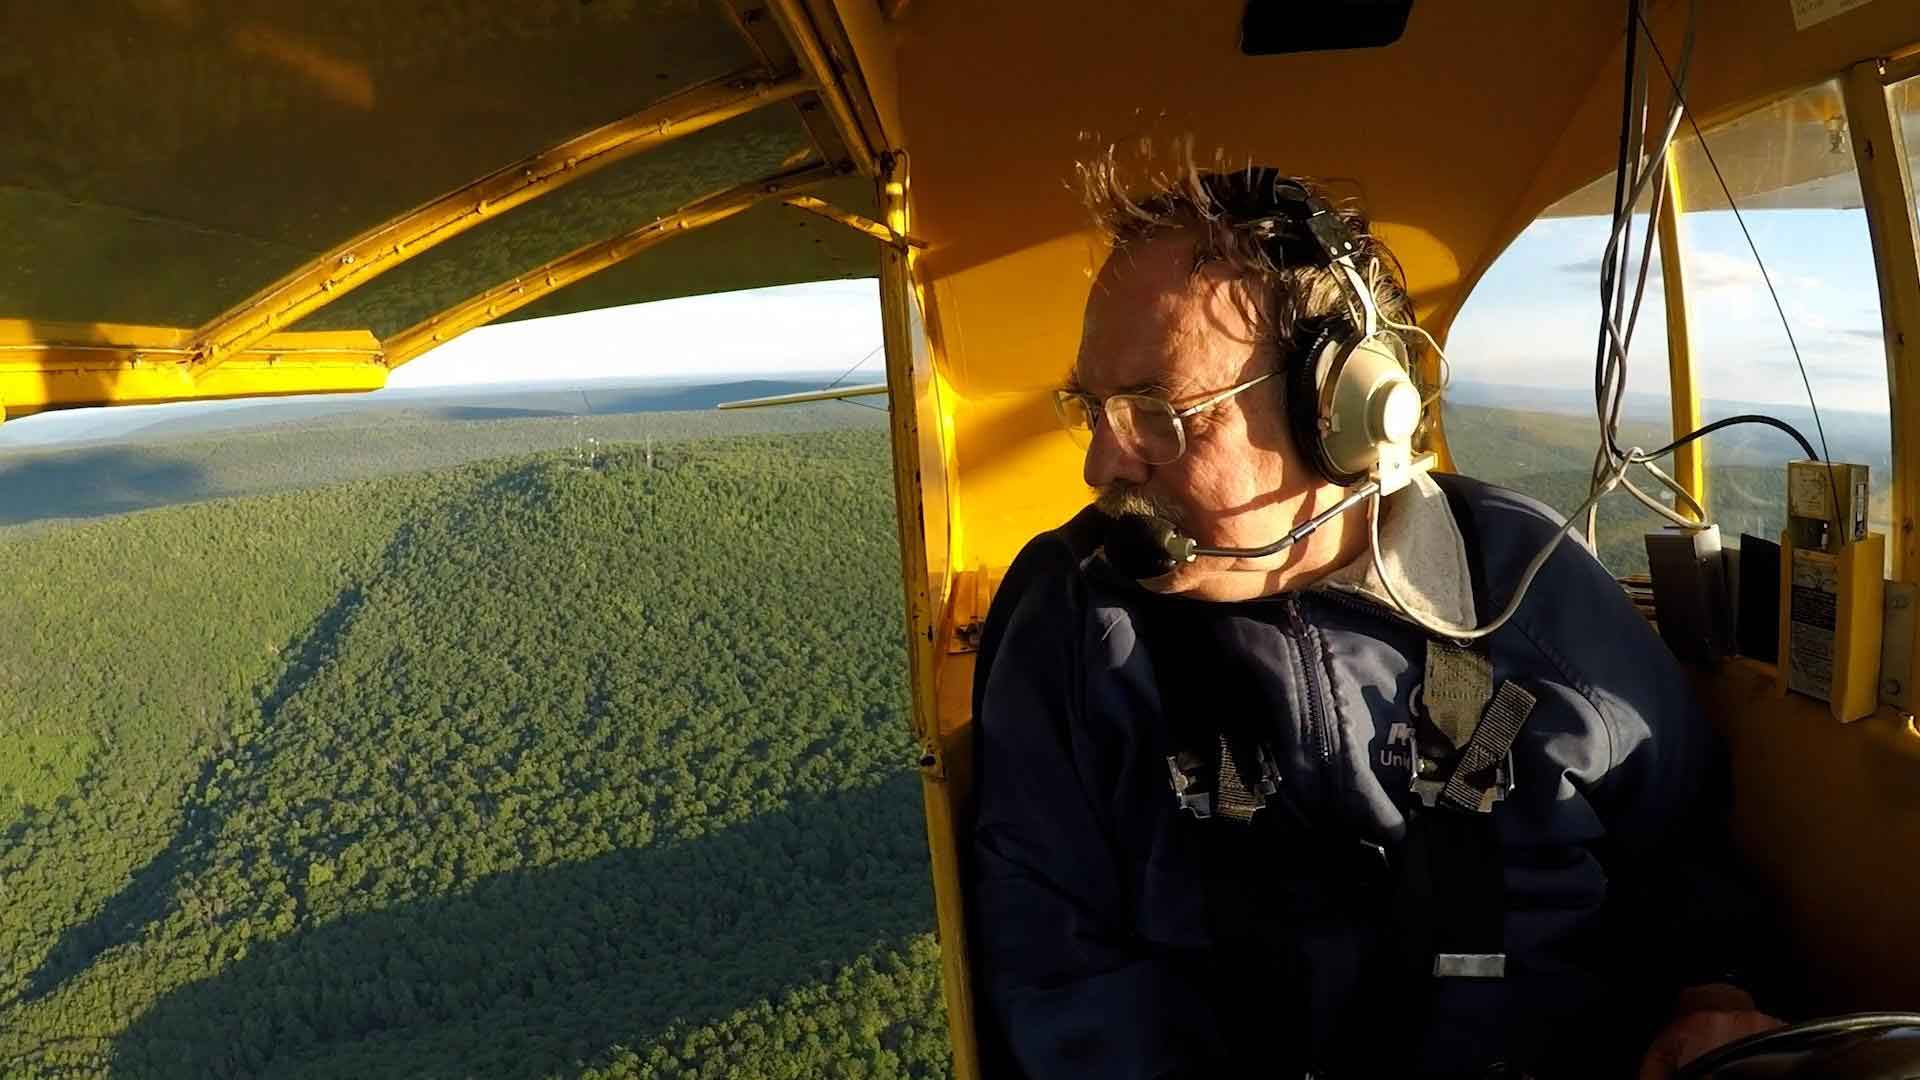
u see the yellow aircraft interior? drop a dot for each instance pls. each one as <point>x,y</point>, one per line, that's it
<point>207,199</point>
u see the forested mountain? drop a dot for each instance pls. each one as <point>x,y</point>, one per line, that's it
<point>572,766</point>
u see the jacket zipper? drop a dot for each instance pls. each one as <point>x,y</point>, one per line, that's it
<point>1316,727</point>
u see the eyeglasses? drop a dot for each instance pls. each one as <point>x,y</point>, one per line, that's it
<point>1145,426</point>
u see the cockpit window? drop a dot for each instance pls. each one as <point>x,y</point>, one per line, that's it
<point>1520,406</point>
<point>1520,410</point>
<point>1790,168</point>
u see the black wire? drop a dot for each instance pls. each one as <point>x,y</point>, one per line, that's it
<point>1743,418</point>
<point>1619,195</point>
<point>1819,429</point>
<point>1639,293</point>
<point>1623,226</point>
<point>862,404</point>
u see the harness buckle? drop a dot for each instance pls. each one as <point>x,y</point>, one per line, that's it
<point>1431,778</point>
<point>1192,786</point>
<point>1219,788</point>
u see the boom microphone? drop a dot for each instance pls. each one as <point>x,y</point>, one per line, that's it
<point>1144,546</point>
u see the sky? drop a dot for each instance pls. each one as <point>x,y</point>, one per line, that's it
<point>789,328</point>
<point>1533,318</point>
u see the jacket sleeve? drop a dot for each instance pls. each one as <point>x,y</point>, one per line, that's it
<point>1684,901</point>
<point>1068,986</point>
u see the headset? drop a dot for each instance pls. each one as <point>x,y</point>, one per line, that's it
<point>1352,407</point>
<point>1351,402</point>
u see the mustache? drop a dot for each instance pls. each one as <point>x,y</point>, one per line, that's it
<point>1122,500</point>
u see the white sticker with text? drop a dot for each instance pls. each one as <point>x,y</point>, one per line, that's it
<point>1813,12</point>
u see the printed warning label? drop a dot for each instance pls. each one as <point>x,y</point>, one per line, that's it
<point>1813,605</point>
<point>1812,12</point>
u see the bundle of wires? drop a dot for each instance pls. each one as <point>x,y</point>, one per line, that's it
<point>1641,173</point>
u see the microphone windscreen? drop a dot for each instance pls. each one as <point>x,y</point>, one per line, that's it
<point>1135,546</point>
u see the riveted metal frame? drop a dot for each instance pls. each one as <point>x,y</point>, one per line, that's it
<point>814,205</point>
<point>510,296</point>
<point>365,257</point>
<point>1886,190</point>
<point>768,43</point>
<point>47,366</point>
<point>804,38</point>
<point>938,681</point>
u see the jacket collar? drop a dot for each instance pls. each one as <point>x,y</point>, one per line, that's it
<point>1423,553</point>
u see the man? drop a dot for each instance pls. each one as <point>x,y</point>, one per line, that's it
<point>1331,914</point>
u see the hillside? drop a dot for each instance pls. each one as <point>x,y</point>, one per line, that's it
<point>285,447</point>
<point>568,766</point>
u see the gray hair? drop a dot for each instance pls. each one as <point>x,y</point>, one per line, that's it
<point>1250,221</point>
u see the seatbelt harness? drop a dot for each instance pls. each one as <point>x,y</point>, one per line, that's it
<point>1453,878</point>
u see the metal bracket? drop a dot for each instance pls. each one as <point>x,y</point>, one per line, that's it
<point>966,636</point>
<point>815,205</point>
<point>1192,790</point>
<point>1896,645</point>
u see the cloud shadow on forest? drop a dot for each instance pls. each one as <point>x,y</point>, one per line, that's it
<point>530,972</point>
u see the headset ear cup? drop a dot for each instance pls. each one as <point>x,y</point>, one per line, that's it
<point>1305,377</point>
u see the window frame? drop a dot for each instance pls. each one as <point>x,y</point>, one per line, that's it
<point>1887,195</point>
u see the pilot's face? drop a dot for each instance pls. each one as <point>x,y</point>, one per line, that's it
<point>1152,325</point>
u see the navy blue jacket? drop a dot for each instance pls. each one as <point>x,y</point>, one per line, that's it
<point>1094,951</point>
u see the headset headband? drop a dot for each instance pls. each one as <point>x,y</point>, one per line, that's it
<point>1334,246</point>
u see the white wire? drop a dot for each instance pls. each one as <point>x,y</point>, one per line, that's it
<point>1471,633</point>
<point>1658,507</point>
<point>1446,365</point>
